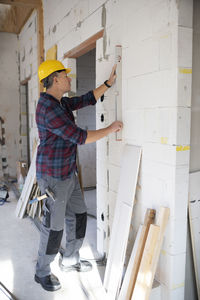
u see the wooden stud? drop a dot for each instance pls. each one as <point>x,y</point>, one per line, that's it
<point>40,37</point>
<point>136,256</point>
<point>150,257</point>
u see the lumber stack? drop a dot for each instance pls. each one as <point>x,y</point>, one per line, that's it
<point>139,276</point>
<point>30,191</point>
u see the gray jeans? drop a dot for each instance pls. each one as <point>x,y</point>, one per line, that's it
<point>68,208</point>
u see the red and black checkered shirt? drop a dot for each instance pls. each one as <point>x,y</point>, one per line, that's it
<point>59,135</point>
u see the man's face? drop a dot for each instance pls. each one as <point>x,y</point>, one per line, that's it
<point>64,82</point>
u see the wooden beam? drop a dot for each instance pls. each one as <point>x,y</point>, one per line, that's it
<point>134,263</point>
<point>40,38</point>
<point>31,3</point>
<point>150,257</point>
<point>84,47</point>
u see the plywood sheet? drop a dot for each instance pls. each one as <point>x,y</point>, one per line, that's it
<point>122,219</point>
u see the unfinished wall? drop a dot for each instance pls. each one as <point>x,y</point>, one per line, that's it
<point>28,71</point>
<point>156,39</point>
<point>9,100</point>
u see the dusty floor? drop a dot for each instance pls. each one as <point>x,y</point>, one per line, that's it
<point>18,253</point>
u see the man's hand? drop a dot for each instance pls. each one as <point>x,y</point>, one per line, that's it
<point>98,92</point>
<point>113,75</point>
<point>116,126</point>
<point>95,135</point>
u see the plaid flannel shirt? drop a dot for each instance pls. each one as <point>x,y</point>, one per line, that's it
<point>59,135</point>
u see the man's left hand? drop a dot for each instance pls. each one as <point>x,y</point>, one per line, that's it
<point>113,75</point>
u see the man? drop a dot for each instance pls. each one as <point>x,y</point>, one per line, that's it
<point>56,169</point>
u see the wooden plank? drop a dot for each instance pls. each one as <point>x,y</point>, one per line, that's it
<point>150,257</point>
<point>123,295</point>
<point>29,3</point>
<point>30,178</point>
<point>146,263</point>
<point>122,219</point>
<point>84,47</point>
<point>194,221</point>
<point>135,259</point>
<point>40,40</point>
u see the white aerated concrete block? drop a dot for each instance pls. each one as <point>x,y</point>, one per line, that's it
<point>171,270</point>
<point>173,155</point>
<point>115,150</point>
<point>102,149</point>
<point>91,25</point>
<point>102,176</point>
<point>185,47</point>
<point>157,89</point>
<point>167,50</point>
<point>175,236</point>
<point>161,17</point>
<point>133,129</point>
<point>93,5</point>
<point>184,87</point>
<point>112,198</point>
<point>142,58</point>
<point>173,294</point>
<point>114,176</point>
<point>134,17</point>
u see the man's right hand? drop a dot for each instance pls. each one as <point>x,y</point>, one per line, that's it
<point>116,126</point>
<point>95,135</point>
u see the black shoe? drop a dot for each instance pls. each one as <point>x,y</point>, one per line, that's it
<point>82,266</point>
<point>49,283</point>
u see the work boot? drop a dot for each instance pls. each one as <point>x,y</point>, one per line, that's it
<point>81,266</point>
<point>49,283</point>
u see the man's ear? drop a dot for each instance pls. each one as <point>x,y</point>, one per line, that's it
<point>55,79</point>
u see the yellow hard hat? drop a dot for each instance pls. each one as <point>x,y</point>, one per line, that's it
<point>49,66</point>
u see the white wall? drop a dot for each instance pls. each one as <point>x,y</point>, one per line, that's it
<point>9,98</point>
<point>156,39</point>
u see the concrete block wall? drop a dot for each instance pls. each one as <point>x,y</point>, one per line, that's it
<point>156,39</point>
<point>9,100</point>
<point>28,53</point>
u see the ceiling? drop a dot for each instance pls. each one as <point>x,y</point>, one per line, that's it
<point>15,13</point>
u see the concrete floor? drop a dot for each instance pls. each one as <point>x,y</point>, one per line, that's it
<point>18,253</point>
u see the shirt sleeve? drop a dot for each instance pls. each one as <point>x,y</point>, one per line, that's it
<point>80,102</point>
<point>58,124</point>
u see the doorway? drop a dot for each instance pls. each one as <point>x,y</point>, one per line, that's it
<point>86,117</point>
